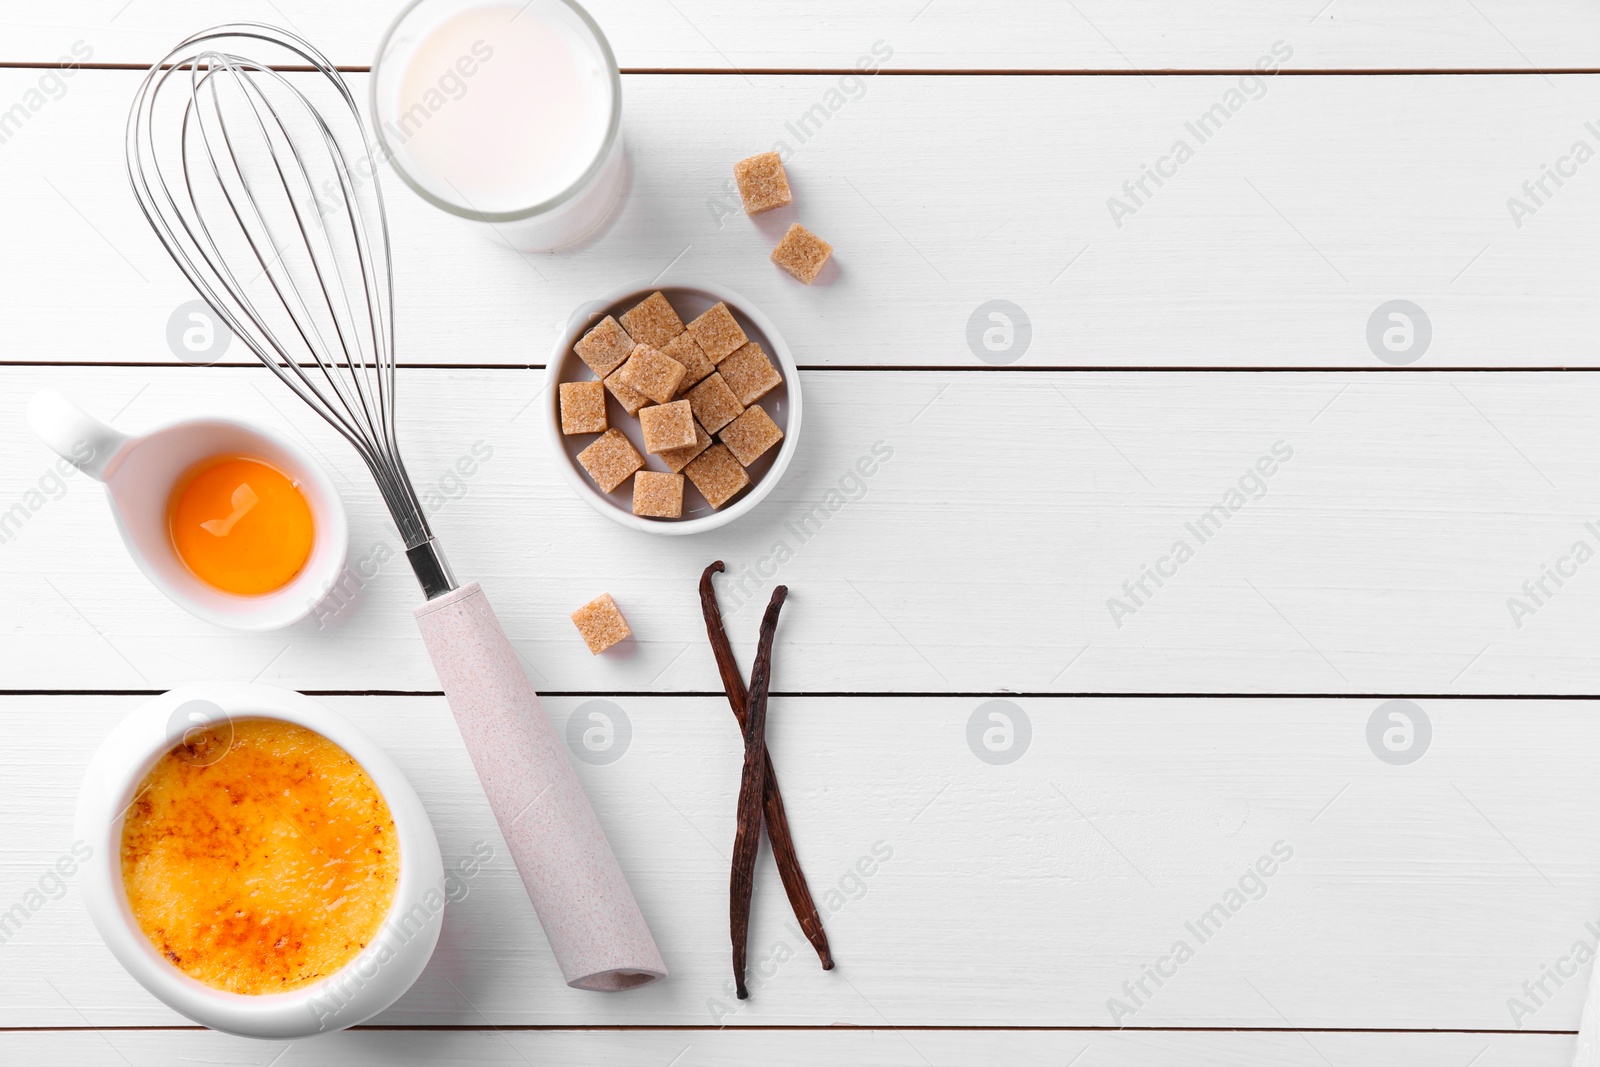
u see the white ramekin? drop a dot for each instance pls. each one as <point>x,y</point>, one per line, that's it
<point>689,298</point>
<point>372,981</point>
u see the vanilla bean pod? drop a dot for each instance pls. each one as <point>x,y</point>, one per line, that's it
<point>752,784</point>
<point>778,833</point>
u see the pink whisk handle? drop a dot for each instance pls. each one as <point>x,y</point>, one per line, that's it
<point>588,912</point>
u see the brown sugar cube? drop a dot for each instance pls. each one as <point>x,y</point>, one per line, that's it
<point>652,373</point>
<point>611,459</point>
<point>696,364</point>
<point>802,253</point>
<point>714,403</point>
<point>667,426</point>
<point>601,623</point>
<point>583,407</point>
<point>678,458</point>
<point>652,321</point>
<point>718,333</point>
<point>717,475</point>
<point>763,185</point>
<point>750,435</point>
<point>750,374</point>
<point>657,495</point>
<point>605,347</point>
<point>631,400</point>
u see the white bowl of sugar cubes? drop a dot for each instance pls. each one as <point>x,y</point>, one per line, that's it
<point>674,405</point>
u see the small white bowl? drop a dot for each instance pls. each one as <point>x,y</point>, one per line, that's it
<point>689,299</point>
<point>372,981</point>
<point>140,472</point>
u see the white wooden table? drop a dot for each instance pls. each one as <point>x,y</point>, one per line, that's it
<point>1170,346</point>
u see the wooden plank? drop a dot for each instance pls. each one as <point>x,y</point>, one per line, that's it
<point>1420,896</point>
<point>735,1048</point>
<point>1276,244</point>
<point>986,551</point>
<point>942,34</point>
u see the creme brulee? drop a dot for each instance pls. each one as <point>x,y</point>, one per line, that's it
<point>260,863</point>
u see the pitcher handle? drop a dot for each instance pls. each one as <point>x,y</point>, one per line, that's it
<point>75,435</point>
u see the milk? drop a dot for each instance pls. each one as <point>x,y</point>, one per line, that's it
<point>506,113</point>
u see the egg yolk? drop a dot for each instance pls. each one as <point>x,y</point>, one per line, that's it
<point>240,525</point>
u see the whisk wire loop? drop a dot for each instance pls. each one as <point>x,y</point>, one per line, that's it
<point>225,154</point>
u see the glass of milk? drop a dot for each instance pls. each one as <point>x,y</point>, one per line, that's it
<point>507,113</point>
